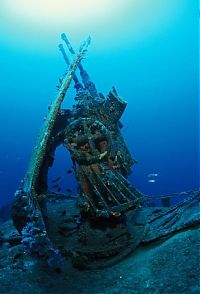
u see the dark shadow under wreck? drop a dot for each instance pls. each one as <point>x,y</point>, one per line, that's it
<point>109,218</point>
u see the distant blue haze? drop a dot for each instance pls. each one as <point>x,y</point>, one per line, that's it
<point>156,72</point>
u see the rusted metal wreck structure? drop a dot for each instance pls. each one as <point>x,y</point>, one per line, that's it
<point>105,223</point>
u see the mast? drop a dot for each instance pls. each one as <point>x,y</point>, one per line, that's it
<point>89,85</point>
<point>77,85</point>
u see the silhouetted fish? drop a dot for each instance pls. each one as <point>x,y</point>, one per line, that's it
<point>56,180</point>
<point>55,186</point>
<point>69,190</point>
<point>64,212</point>
<point>69,171</point>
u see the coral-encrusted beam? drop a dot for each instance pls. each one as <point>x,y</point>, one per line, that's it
<point>30,179</point>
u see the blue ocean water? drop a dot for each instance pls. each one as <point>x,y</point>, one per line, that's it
<point>148,50</point>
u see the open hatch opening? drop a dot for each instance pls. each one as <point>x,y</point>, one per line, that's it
<point>61,177</point>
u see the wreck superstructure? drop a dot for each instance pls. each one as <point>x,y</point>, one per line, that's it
<point>108,219</point>
<point>101,161</point>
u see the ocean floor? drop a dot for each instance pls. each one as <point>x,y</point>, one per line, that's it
<point>169,265</point>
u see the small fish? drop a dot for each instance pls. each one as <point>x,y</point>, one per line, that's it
<point>127,127</point>
<point>56,180</point>
<point>183,193</point>
<point>69,190</point>
<point>59,189</point>
<point>152,175</point>
<point>55,186</point>
<point>69,171</point>
<point>64,212</point>
<point>151,181</point>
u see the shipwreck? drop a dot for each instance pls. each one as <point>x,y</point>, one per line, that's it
<point>109,218</point>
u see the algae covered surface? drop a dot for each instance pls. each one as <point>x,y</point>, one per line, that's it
<point>168,266</point>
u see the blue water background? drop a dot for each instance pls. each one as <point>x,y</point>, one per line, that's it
<point>155,71</point>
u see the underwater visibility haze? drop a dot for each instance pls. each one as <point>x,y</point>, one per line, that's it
<point>148,50</point>
<point>101,152</point>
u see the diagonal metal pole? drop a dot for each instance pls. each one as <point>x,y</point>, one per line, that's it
<point>78,85</point>
<point>29,183</point>
<point>89,85</point>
